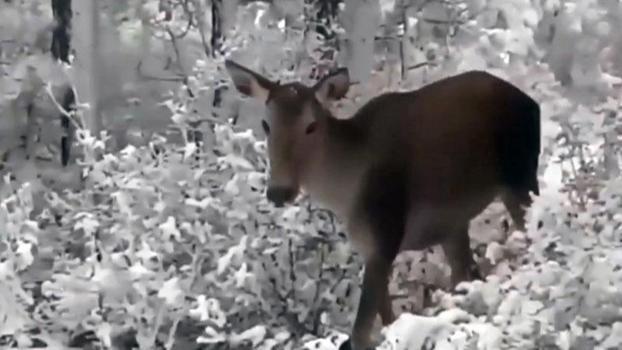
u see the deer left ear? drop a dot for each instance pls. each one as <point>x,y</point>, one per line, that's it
<point>249,82</point>
<point>333,86</point>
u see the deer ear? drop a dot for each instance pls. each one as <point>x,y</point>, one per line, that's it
<point>248,82</point>
<point>333,86</point>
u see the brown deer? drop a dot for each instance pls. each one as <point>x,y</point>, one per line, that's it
<point>407,171</point>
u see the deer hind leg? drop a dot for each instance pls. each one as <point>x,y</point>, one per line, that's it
<point>516,202</point>
<point>519,169</point>
<point>460,257</point>
<point>386,307</point>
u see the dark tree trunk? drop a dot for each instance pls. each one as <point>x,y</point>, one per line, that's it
<point>61,35</point>
<point>217,34</point>
<point>217,39</point>
<point>326,16</point>
<point>61,44</point>
<point>69,103</point>
<point>320,18</point>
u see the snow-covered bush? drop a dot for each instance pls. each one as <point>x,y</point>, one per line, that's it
<point>164,237</point>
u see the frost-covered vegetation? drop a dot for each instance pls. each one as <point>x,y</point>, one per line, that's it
<point>157,238</point>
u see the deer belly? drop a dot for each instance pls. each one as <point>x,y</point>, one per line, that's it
<point>432,224</point>
<point>425,228</point>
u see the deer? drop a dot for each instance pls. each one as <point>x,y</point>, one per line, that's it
<point>408,170</point>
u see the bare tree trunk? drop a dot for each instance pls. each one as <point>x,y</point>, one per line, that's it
<point>86,43</point>
<point>361,20</point>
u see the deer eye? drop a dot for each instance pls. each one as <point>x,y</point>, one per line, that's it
<point>265,127</point>
<point>311,128</point>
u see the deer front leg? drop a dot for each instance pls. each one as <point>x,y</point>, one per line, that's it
<point>374,299</point>
<point>376,229</point>
<point>460,257</point>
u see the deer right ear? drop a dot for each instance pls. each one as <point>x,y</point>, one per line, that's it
<point>333,86</point>
<point>248,82</point>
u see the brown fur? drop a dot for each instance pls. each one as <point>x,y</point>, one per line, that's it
<point>408,170</point>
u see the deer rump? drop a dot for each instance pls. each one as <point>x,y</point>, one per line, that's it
<point>439,155</point>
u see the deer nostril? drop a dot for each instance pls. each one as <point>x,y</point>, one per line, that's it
<point>280,195</point>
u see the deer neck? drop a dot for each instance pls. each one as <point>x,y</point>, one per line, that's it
<point>335,168</point>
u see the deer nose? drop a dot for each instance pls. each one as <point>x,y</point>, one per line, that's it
<point>279,195</point>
